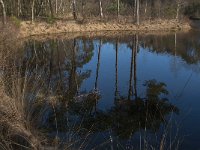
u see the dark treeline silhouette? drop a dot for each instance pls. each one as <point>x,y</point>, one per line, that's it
<point>137,9</point>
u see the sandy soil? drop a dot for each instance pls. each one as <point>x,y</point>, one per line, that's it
<point>42,28</point>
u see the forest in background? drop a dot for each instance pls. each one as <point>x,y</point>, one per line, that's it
<point>127,10</point>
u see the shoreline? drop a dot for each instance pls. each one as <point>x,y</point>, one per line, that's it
<point>96,34</point>
<point>28,29</point>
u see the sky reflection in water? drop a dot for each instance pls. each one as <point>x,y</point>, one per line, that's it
<point>138,80</point>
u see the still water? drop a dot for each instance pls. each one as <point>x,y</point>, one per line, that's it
<point>126,92</point>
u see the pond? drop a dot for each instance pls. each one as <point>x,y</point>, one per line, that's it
<point>139,91</point>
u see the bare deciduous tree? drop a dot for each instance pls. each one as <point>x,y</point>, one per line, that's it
<point>3,11</point>
<point>138,12</point>
<point>56,5</point>
<point>100,9</point>
<point>32,11</point>
<point>74,9</point>
<point>51,8</point>
<point>179,4</point>
<point>118,8</point>
<point>18,8</point>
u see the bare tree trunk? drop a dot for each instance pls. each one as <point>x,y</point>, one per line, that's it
<point>135,7</point>
<point>51,9</point>
<point>152,9</point>
<point>118,8</point>
<point>3,11</point>
<point>32,11</point>
<point>177,9</point>
<point>138,12</point>
<point>100,9</point>
<point>159,9</point>
<point>18,8</point>
<point>74,9</point>
<point>83,7</point>
<point>62,6</point>
<point>56,7</point>
<point>45,7</point>
<point>146,5</point>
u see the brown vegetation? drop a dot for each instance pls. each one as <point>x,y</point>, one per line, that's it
<point>58,16</point>
<point>15,131</point>
<point>28,29</point>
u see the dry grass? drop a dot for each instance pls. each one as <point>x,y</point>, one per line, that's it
<point>18,116</point>
<point>15,131</point>
<point>43,28</point>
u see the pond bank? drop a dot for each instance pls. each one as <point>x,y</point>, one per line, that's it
<point>43,28</point>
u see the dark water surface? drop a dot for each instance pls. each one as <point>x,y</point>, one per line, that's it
<point>127,92</point>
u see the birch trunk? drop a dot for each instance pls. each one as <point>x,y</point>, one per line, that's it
<point>32,11</point>
<point>135,7</point>
<point>118,8</point>
<point>18,8</point>
<point>62,6</point>
<point>3,11</point>
<point>56,7</point>
<point>101,9</point>
<point>138,12</point>
<point>177,10</point>
<point>146,5</point>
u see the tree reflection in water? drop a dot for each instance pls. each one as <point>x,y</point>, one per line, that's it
<point>129,116</point>
<point>52,74</point>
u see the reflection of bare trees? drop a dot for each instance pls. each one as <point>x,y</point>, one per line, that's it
<point>148,112</point>
<point>133,71</point>
<point>127,117</point>
<point>73,85</point>
<point>48,79</point>
<point>131,74</point>
<point>135,65</point>
<point>98,64</point>
<point>45,79</point>
<point>186,48</point>
<point>116,70</point>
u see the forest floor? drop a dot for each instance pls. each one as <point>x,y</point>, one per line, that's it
<point>43,28</point>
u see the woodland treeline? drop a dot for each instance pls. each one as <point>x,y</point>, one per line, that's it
<point>103,9</point>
